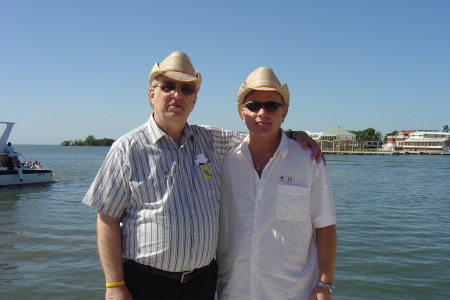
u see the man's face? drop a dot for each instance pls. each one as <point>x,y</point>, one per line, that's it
<point>263,119</point>
<point>171,99</point>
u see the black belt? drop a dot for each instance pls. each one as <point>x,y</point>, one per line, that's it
<point>181,277</point>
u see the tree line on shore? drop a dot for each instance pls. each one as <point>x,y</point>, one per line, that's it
<point>89,141</point>
<point>368,134</point>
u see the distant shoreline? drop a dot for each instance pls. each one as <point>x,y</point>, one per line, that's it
<point>89,141</point>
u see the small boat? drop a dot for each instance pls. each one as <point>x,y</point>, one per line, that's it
<point>23,172</point>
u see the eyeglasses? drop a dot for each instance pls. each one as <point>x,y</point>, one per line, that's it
<point>255,106</point>
<point>168,86</point>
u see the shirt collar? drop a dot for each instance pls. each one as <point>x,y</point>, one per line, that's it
<point>155,133</point>
<point>283,147</point>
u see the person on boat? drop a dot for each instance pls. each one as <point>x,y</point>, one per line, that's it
<point>157,195</point>
<point>10,151</point>
<point>277,234</point>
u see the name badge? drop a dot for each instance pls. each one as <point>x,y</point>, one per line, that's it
<point>287,179</point>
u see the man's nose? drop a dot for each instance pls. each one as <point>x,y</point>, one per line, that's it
<point>177,93</point>
<point>262,110</point>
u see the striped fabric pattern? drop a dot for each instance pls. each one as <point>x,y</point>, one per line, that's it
<point>168,203</point>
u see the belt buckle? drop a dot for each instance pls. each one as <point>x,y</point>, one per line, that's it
<point>182,276</point>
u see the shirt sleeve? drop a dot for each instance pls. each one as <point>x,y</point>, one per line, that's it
<point>322,200</point>
<point>224,139</point>
<point>110,192</point>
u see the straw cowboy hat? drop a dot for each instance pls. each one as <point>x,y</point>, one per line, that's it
<point>262,79</point>
<point>176,66</point>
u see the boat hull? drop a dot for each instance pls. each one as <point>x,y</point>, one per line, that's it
<point>13,177</point>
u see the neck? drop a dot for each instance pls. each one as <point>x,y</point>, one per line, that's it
<point>263,144</point>
<point>262,149</point>
<point>172,128</point>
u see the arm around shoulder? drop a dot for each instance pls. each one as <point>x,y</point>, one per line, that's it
<point>306,141</point>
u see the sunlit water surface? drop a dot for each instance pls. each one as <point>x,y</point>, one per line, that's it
<point>393,225</point>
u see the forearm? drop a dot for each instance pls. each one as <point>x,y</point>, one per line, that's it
<point>326,238</point>
<point>110,247</point>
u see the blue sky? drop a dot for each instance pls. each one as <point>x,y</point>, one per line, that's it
<point>69,69</point>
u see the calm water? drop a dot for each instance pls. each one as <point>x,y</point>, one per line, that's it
<point>393,225</point>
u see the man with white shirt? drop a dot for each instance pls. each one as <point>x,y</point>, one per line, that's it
<point>277,234</point>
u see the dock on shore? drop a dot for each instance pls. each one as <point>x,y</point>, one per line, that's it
<point>340,152</point>
<point>349,147</point>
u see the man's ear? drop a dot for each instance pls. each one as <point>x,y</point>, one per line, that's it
<point>243,114</point>
<point>285,111</point>
<point>151,96</point>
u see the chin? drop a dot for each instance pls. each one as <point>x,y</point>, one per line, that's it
<point>263,132</point>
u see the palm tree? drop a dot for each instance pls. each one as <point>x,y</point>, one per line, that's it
<point>445,128</point>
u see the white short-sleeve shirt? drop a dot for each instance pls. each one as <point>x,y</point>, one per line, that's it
<point>267,247</point>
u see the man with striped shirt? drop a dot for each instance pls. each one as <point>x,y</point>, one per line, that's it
<point>157,196</point>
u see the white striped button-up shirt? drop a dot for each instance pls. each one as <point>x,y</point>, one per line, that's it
<point>166,196</point>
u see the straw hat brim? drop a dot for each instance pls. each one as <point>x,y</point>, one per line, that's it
<point>176,75</point>
<point>244,90</point>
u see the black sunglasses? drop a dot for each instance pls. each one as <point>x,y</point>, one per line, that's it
<point>255,106</point>
<point>168,86</point>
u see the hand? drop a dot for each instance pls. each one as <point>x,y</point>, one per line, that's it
<point>319,293</point>
<point>306,141</point>
<point>118,293</point>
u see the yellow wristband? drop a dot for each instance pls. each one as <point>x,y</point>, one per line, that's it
<point>113,284</point>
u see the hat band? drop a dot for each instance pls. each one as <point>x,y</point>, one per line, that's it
<point>264,86</point>
<point>179,71</point>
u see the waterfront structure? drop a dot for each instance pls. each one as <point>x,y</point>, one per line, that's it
<point>373,144</point>
<point>338,134</point>
<point>395,142</point>
<point>427,142</point>
<point>418,141</point>
<point>314,135</point>
<point>335,134</point>
<point>336,139</point>
<point>341,141</point>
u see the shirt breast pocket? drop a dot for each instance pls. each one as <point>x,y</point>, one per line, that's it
<point>293,202</point>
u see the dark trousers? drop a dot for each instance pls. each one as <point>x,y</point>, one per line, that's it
<point>11,163</point>
<point>145,286</point>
